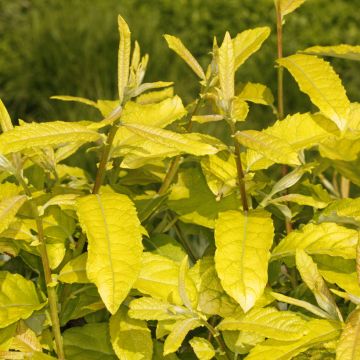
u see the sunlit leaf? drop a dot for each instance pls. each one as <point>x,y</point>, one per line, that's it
<point>202,348</point>
<point>349,52</point>
<point>8,209</point>
<point>123,56</point>
<point>75,270</point>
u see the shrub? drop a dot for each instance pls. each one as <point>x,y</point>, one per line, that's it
<point>182,245</point>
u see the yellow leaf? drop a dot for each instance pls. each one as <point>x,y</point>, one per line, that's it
<point>115,248</point>
<point>54,133</point>
<point>256,93</point>
<point>288,6</point>
<point>8,209</point>
<point>75,270</point>
<point>5,120</point>
<point>248,42</point>
<point>226,65</point>
<point>319,81</point>
<point>243,241</point>
<point>202,348</point>
<point>123,57</point>
<point>176,45</point>
<point>350,52</point>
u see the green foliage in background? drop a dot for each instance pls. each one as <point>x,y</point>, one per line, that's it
<point>67,47</point>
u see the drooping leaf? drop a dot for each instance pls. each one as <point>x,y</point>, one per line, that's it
<point>177,335</point>
<point>226,66</point>
<point>243,241</point>
<point>288,6</point>
<point>130,338</point>
<point>267,322</point>
<point>239,109</point>
<point>123,56</point>
<point>348,347</point>
<point>8,209</point>
<point>53,133</point>
<point>319,81</point>
<point>349,52</point>
<point>256,93</point>
<point>325,238</point>
<point>195,203</point>
<point>202,348</point>
<point>18,298</point>
<point>5,120</point>
<point>114,250</point>
<point>91,341</point>
<point>75,270</point>
<point>248,42</point>
<point>312,278</point>
<point>176,45</point>
<point>320,331</point>
<point>269,146</point>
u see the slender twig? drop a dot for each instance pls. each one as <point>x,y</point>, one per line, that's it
<point>51,290</point>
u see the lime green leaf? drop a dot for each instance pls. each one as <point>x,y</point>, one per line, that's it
<point>130,338</point>
<point>177,335</point>
<point>90,342</point>
<point>148,308</point>
<point>195,203</point>
<point>183,270</point>
<point>269,146</point>
<point>213,300</point>
<point>203,119</point>
<point>248,42</point>
<point>75,99</point>
<point>5,120</point>
<point>348,347</point>
<point>256,93</point>
<point>114,251</point>
<point>243,241</point>
<point>317,79</point>
<point>320,331</point>
<point>61,200</point>
<point>123,57</point>
<point>203,348</point>
<point>171,139</point>
<point>349,52</point>
<point>18,298</point>
<point>8,190</point>
<point>268,322</point>
<point>301,200</point>
<point>310,274</point>
<point>8,209</point>
<point>176,45</point>
<point>288,6</point>
<point>154,97</point>
<point>75,270</point>
<point>159,278</point>
<point>158,352</point>
<point>226,65</point>
<point>38,356</point>
<point>241,342</point>
<point>344,210</point>
<point>53,133</point>
<point>325,238</point>
<point>300,303</point>
<point>25,339</point>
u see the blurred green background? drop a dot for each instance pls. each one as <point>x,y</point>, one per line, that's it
<point>50,47</point>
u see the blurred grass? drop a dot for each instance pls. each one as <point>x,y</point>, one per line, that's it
<point>50,47</point>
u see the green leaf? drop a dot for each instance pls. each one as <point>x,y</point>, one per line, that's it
<point>202,348</point>
<point>177,335</point>
<point>123,57</point>
<point>130,338</point>
<point>248,42</point>
<point>171,139</point>
<point>312,278</point>
<point>5,120</point>
<point>226,64</point>
<point>148,308</point>
<point>267,322</point>
<point>320,331</point>
<point>195,203</point>
<point>159,278</point>
<point>18,298</point>
<point>348,347</point>
<point>349,52</point>
<point>55,133</point>
<point>114,252</point>
<point>288,6</point>
<point>301,200</point>
<point>176,45</point>
<point>269,146</point>
<point>243,241</point>
<point>8,209</point>
<point>256,93</point>
<point>325,238</point>
<point>317,79</point>
<point>90,342</point>
<point>75,270</point>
